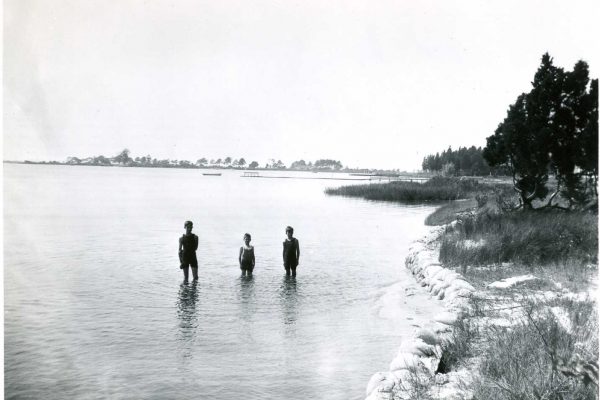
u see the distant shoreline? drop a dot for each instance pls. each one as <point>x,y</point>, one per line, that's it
<point>362,172</point>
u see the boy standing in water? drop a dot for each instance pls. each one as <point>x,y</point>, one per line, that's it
<point>188,244</point>
<point>246,257</point>
<point>291,252</point>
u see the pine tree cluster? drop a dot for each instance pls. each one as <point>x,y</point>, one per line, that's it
<point>551,131</point>
<point>464,162</point>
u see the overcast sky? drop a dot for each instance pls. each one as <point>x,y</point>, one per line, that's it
<point>370,83</point>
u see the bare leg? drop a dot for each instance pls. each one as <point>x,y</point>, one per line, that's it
<point>293,271</point>
<point>287,270</point>
<point>186,273</point>
<point>195,273</point>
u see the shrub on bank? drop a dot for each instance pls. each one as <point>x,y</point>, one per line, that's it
<point>435,189</point>
<point>550,351</point>
<point>521,237</point>
<point>539,359</point>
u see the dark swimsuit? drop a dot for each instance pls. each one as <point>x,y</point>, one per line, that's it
<point>187,256</point>
<point>290,253</point>
<point>247,257</point>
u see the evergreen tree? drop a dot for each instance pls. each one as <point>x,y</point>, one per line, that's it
<point>549,130</point>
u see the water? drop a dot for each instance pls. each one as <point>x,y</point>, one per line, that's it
<point>95,306</point>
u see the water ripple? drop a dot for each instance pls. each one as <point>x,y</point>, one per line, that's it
<point>95,307</point>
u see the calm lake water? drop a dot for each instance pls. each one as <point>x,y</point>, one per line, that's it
<point>95,306</point>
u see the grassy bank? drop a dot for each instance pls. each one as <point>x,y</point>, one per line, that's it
<point>537,339</point>
<point>435,189</point>
<point>527,238</point>
<point>449,212</point>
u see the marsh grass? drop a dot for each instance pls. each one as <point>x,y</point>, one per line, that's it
<point>435,189</point>
<point>528,238</point>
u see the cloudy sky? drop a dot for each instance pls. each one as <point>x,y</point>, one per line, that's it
<point>370,83</point>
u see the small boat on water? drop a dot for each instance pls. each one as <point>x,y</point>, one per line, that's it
<point>211,173</point>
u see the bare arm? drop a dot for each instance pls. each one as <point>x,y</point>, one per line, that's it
<point>298,250</point>
<point>180,245</point>
<point>240,256</point>
<point>253,260</point>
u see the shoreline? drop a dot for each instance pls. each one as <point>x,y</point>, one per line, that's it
<point>426,366</point>
<point>368,172</point>
<point>420,355</point>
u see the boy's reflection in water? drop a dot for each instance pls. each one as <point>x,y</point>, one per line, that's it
<point>246,297</point>
<point>289,304</point>
<point>188,319</point>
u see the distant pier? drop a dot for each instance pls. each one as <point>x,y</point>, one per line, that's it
<point>355,177</point>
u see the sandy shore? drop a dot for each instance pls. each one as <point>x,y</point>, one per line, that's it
<point>420,352</point>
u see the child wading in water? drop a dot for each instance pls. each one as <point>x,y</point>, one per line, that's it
<point>291,252</point>
<point>246,256</point>
<point>188,244</point>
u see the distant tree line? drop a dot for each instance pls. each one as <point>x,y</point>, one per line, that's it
<point>551,130</point>
<point>329,165</point>
<point>464,161</point>
<point>124,159</point>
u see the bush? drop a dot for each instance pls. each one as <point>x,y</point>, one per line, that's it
<point>524,362</point>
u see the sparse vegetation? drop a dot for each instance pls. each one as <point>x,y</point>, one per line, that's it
<point>543,354</point>
<point>524,362</point>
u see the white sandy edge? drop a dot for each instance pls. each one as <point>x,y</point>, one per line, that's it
<point>508,282</point>
<point>419,356</point>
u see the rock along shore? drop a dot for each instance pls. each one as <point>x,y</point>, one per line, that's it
<point>414,370</point>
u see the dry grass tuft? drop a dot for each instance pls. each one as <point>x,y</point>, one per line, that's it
<point>525,360</point>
